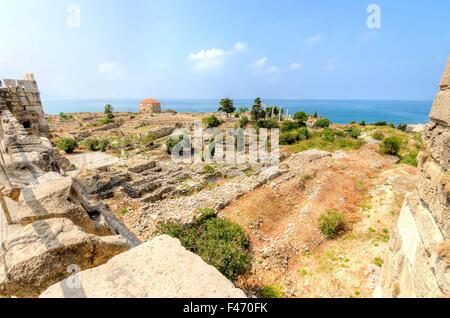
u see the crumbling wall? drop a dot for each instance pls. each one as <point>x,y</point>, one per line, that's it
<point>417,263</point>
<point>22,98</point>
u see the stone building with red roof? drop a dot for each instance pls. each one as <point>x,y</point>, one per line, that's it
<point>149,106</point>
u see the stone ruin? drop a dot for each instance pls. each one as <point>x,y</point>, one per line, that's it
<point>22,98</point>
<point>418,261</point>
<point>50,229</point>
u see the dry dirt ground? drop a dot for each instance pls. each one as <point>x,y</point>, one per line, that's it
<point>282,220</point>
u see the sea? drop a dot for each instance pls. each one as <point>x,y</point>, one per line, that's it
<point>338,111</point>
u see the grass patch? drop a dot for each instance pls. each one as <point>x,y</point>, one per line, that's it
<point>219,242</point>
<point>323,141</point>
<point>378,261</point>
<point>271,291</point>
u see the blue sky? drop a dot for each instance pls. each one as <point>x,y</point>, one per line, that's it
<point>208,48</point>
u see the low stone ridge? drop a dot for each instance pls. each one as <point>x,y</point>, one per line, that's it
<point>414,265</point>
<point>39,255</point>
<point>160,268</point>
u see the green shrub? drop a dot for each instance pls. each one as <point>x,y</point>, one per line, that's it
<point>103,144</point>
<point>331,223</point>
<point>106,121</point>
<point>290,125</point>
<point>353,132</point>
<point>148,140</point>
<point>301,117</point>
<point>243,121</point>
<point>402,127</point>
<point>380,123</point>
<point>96,144</point>
<point>303,133</point>
<point>411,158</point>
<point>271,291</point>
<point>91,144</point>
<point>378,135</point>
<point>208,169</point>
<point>391,145</point>
<point>268,124</point>
<point>322,123</point>
<point>68,145</point>
<point>172,142</point>
<point>362,123</point>
<point>289,137</point>
<point>219,242</point>
<point>328,134</point>
<point>378,261</point>
<point>212,121</point>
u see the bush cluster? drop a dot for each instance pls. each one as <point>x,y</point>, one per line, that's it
<point>331,223</point>
<point>219,242</point>
<point>212,121</point>
<point>293,136</point>
<point>68,145</point>
<point>322,123</point>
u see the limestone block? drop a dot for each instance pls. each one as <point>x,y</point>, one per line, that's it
<point>161,268</point>
<point>425,282</point>
<point>406,279</point>
<point>58,198</point>
<point>409,233</point>
<point>39,255</point>
<point>445,82</point>
<point>442,270</point>
<point>440,112</point>
<point>429,230</point>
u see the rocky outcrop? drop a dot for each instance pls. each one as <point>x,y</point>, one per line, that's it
<point>415,265</point>
<point>161,268</point>
<point>41,254</point>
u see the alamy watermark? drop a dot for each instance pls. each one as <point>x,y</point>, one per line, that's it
<point>229,146</point>
<point>374,18</point>
<point>73,20</point>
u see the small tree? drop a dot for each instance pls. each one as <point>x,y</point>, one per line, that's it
<point>257,111</point>
<point>301,117</point>
<point>243,121</point>
<point>227,106</point>
<point>108,109</point>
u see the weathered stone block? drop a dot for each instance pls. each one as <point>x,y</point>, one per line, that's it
<point>409,233</point>
<point>440,112</point>
<point>39,255</point>
<point>425,283</point>
<point>161,268</point>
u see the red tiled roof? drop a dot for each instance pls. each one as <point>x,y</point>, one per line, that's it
<point>150,101</point>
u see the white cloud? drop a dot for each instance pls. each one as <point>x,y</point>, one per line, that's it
<point>272,69</point>
<point>240,46</point>
<point>332,64</point>
<point>259,64</point>
<point>296,66</point>
<point>262,66</point>
<point>316,38</point>
<point>112,70</point>
<point>214,58</point>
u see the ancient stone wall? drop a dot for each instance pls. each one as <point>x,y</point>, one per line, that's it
<point>418,261</point>
<point>22,98</point>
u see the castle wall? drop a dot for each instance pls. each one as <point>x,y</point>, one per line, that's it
<point>22,99</point>
<point>418,261</point>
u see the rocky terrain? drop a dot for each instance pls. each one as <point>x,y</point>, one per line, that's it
<point>87,221</point>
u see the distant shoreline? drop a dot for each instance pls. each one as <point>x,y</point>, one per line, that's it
<point>338,111</point>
